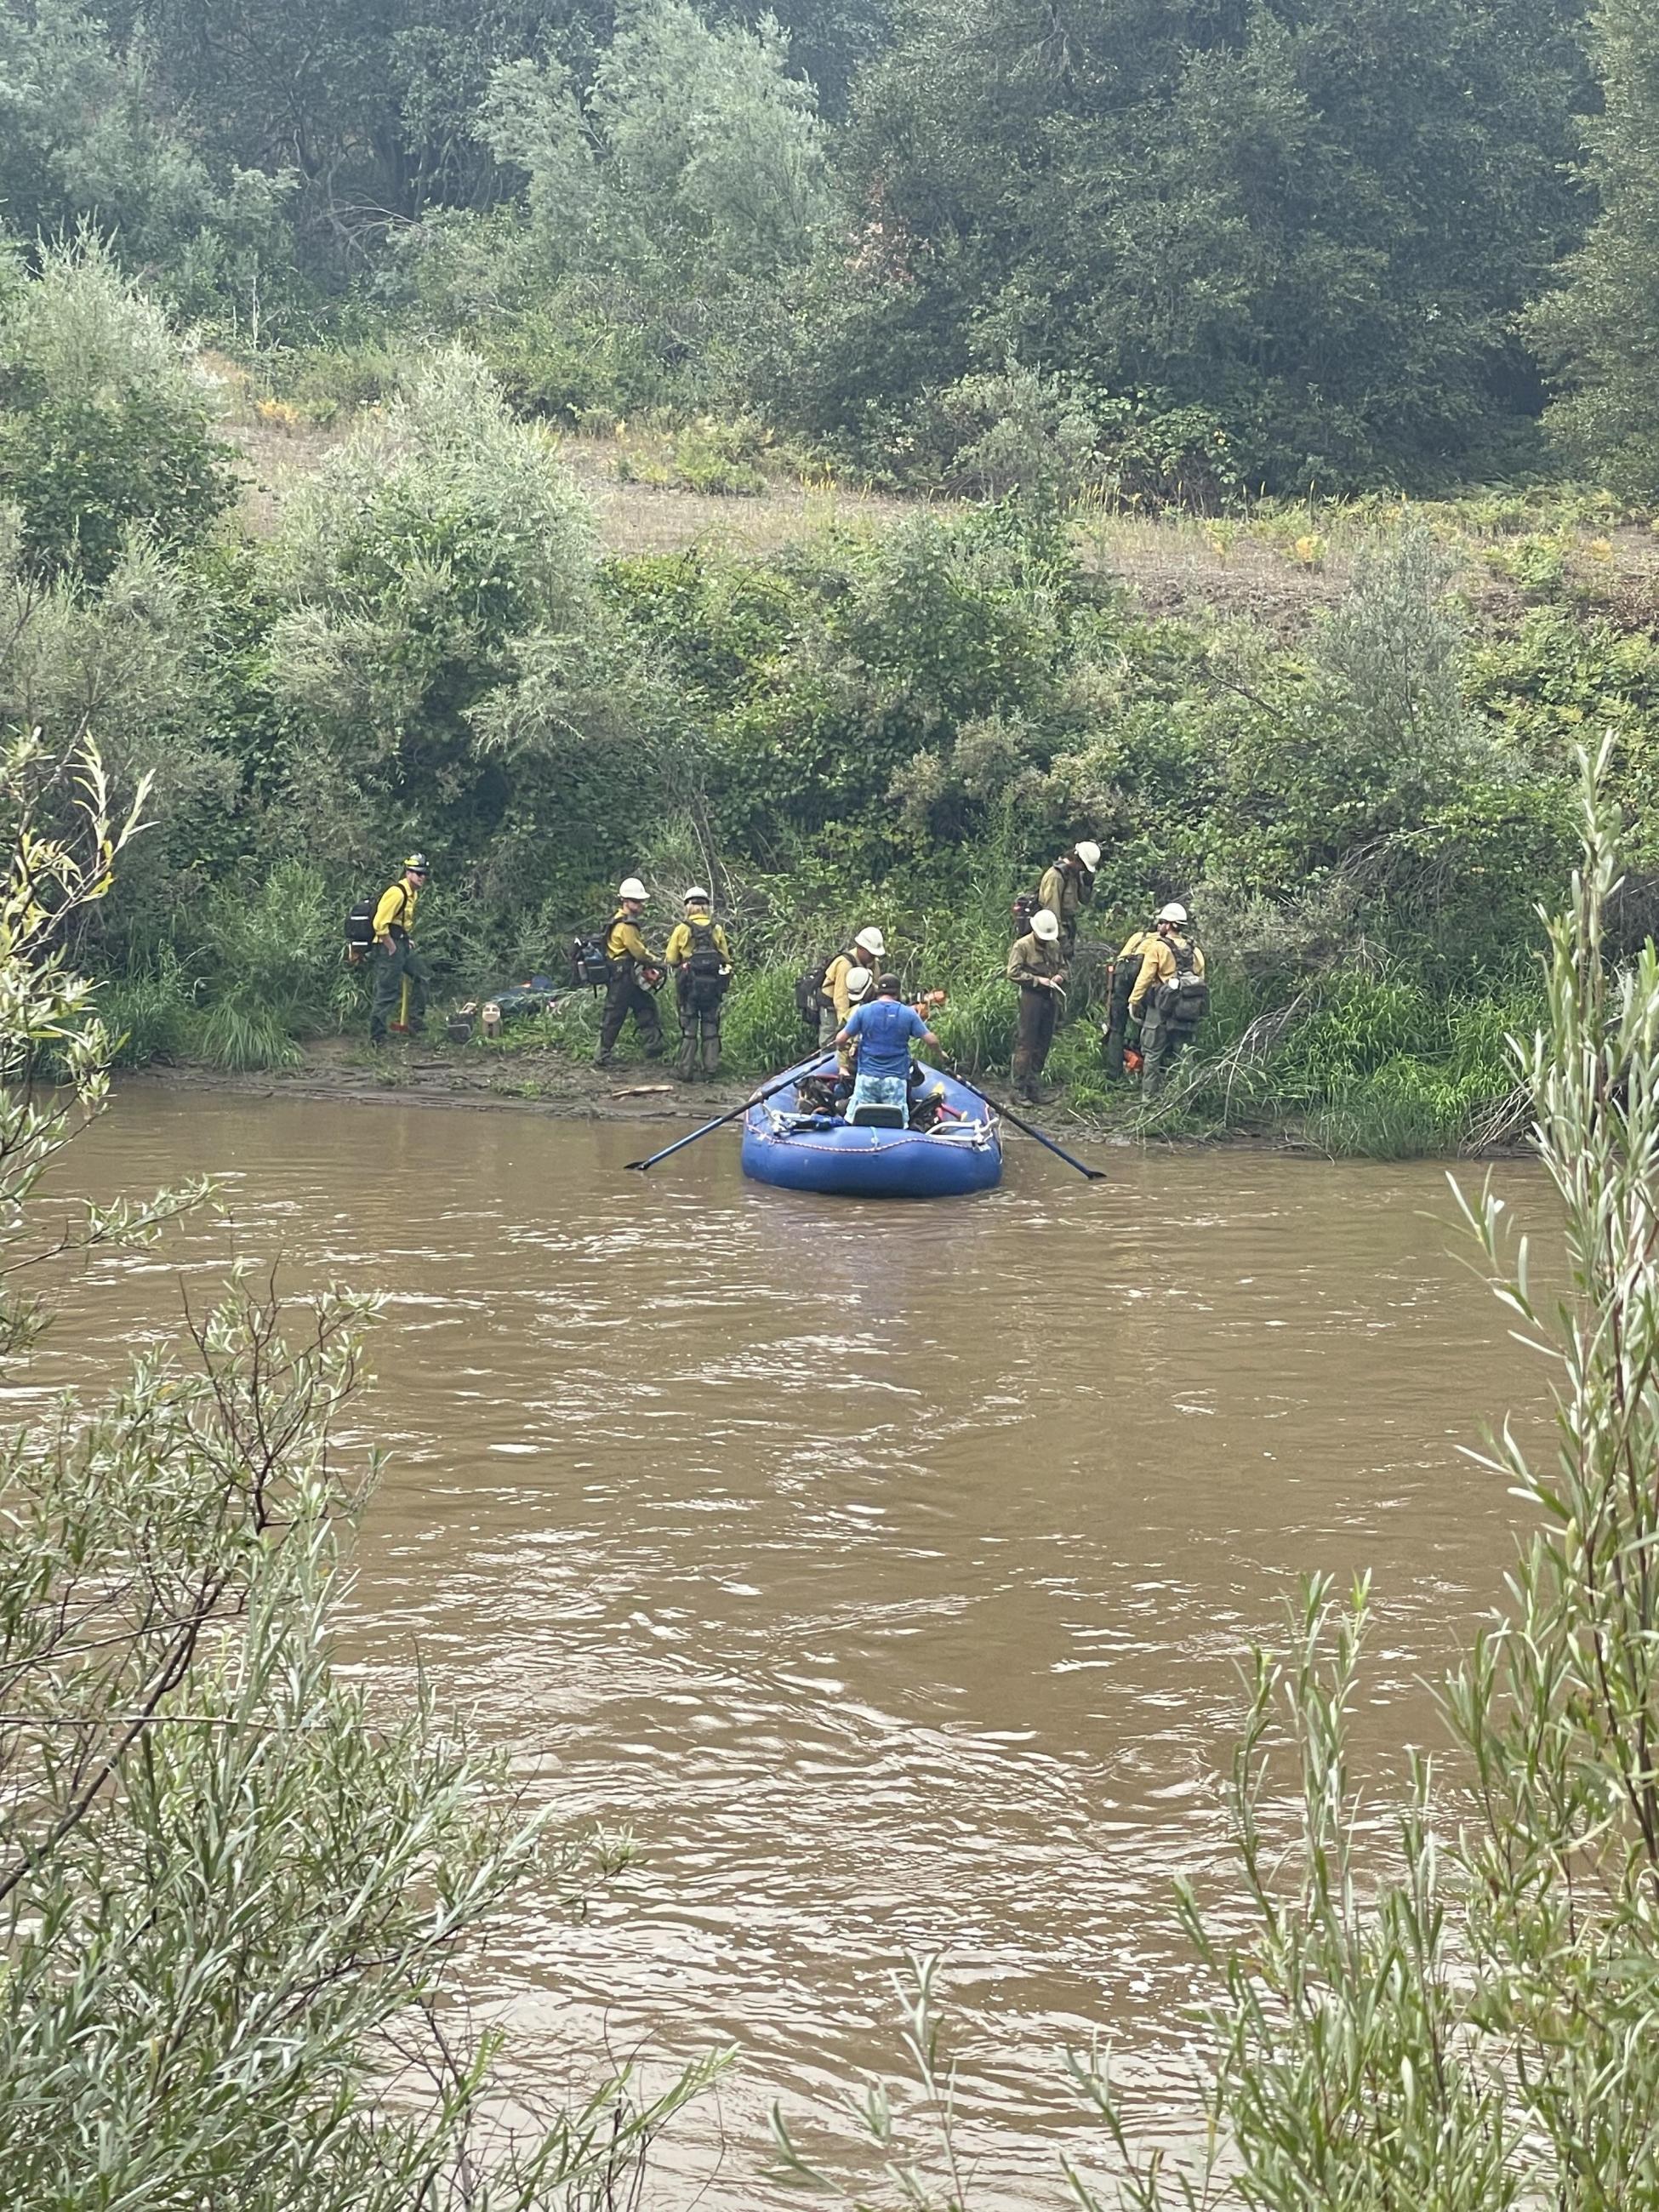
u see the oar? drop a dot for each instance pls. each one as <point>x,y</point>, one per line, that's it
<point>1094,1175</point>
<point>721,1121</point>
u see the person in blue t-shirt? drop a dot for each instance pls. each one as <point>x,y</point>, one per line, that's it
<point>883,1032</point>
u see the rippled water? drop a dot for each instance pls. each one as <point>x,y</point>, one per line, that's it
<point>885,1567</point>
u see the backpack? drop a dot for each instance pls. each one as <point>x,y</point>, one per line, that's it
<point>705,983</point>
<point>590,963</point>
<point>360,926</point>
<point>1184,1000</point>
<point>360,931</point>
<point>809,994</point>
<point>1025,905</point>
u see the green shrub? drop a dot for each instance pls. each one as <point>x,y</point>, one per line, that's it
<point>759,1027</point>
<point>104,428</point>
<point>275,944</point>
<point>271,968</point>
<point>149,1013</point>
<point>242,1037</point>
<point>712,456</point>
<point>331,384</point>
<point>1536,564</point>
<point>975,1025</point>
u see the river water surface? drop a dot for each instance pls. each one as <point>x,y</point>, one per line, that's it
<point>884,1568</point>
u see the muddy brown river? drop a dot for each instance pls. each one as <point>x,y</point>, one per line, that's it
<point>884,1568</point>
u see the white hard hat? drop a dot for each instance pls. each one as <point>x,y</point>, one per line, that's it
<point>858,981</point>
<point>1045,925</point>
<point>1174,912</point>
<point>1088,854</point>
<point>631,887</point>
<point>696,894</point>
<point>873,941</point>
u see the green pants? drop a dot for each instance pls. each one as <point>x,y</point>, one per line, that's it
<point>1039,1010</point>
<point>1161,1043</point>
<point>394,971</point>
<point>625,995</point>
<point>700,1035</point>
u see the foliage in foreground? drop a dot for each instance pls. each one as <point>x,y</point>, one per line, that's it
<point>1476,2030</point>
<point>234,1894</point>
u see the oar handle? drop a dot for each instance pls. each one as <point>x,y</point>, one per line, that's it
<point>721,1121</point>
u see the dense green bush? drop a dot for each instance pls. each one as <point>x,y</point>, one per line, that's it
<point>1597,322</point>
<point>1172,252</point>
<point>104,424</point>
<point>87,142</point>
<point>759,1027</point>
<point>442,668</point>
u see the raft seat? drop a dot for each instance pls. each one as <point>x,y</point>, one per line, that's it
<point>876,1118</point>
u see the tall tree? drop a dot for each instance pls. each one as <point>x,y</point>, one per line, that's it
<point>697,160</point>
<point>1317,218</point>
<point>1598,332</point>
<point>85,143</point>
<point>367,104</point>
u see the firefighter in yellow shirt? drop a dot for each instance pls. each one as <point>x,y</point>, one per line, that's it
<point>632,964</point>
<point>1067,888</point>
<point>1126,971</point>
<point>868,947</point>
<point>1170,996</point>
<point>400,975</point>
<point>700,960</point>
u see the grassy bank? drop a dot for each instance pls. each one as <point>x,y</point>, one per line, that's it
<point>1350,1062</point>
<point>1343,736</point>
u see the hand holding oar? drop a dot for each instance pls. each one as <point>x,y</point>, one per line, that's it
<point>1094,1175</point>
<point>789,1075</point>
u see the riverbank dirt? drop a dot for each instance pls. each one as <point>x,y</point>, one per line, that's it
<point>547,1082</point>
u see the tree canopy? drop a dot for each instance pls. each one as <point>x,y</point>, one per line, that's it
<point>1290,243</point>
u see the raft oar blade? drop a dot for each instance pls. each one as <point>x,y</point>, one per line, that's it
<point>1089,1173</point>
<point>721,1121</point>
<point>680,1142</point>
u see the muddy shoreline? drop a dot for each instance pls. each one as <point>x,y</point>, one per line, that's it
<point>550,1083</point>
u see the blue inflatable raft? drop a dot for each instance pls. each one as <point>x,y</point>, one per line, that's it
<point>799,1152</point>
